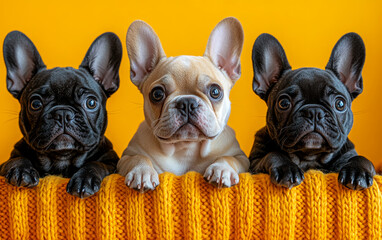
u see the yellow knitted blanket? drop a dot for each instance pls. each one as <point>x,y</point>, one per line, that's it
<point>186,207</point>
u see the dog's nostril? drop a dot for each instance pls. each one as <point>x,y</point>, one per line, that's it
<point>320,115</point>
<point>69,116</point>
<point>308,114</point>
<point>193,105</point>
<point>58,117</point>
<point>181,105</point>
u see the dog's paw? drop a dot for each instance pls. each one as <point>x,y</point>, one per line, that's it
<point>355,178</point>
<point>22,176</point>
<point>221,175</point>
<point>84,184</point>
<point>142,179</point>
<point>287,175</point>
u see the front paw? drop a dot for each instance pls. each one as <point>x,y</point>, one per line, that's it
<point>84,184</point>
<point>287,175</point>
<point>22,176</point>
<point>142,178</point>
<point>221,175</point>
<point>355,178</point>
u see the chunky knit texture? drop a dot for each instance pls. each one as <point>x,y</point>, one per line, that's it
<point>186,207</point>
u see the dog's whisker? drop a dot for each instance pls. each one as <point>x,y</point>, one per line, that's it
<point>11,119</point>
<point>11,113</point>
<point>136,103</point>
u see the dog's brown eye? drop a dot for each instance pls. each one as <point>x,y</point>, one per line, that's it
<point>157,94</point>
<point>284,104</point>
<point>340,104</point>
<point>91,103</point>
<point>36,104</point>
<point>215,91</point>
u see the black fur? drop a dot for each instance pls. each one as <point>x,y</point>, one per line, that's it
<point>305,130</point>
<point>62,135</point>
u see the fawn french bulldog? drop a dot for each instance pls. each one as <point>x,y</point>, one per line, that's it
<point>186,106</point>
<point>63,115</point>
<point>309,114</point>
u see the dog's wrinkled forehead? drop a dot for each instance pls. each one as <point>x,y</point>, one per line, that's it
<point>62,83</point>
<point>185,74</point>
<point>311,83</point>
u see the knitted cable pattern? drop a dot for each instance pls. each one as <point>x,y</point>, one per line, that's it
<point>186,207</point>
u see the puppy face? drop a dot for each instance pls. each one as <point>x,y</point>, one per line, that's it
<point>186,98</point>
<point>309,109</point>
<point>62,109</point>
<point>182,104</point>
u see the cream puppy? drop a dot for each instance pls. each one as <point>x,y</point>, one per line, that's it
<point>186,106</point>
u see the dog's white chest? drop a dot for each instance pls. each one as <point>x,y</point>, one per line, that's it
<point>180,158</point>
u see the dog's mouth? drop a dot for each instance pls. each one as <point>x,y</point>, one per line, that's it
<point>187,120</point>
<point>188,132</point>
<point>63,145</point>
<point>312,143</point>
<point>63,142</point>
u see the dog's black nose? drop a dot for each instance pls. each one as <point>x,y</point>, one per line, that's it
<point>187,105</point>
<point>313,114</point>
<point>63,115</point>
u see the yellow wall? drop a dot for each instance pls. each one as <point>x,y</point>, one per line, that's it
<point>63,31</point>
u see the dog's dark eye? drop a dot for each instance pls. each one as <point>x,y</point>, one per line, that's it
<point>91,103</point>
<point>340,104</point>
<point>284,104</point>
<point>36,104</point>
<point>215,91</point>
<point>157,94</point>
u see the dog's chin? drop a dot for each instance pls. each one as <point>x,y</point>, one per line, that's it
<point>186,133</point>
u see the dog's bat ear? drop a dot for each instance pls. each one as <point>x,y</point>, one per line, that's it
<point>144,50</point>
<point>22,61</point>
<point>225,45</point>
<point>346,62</point>
<point>102,61</point>
<point>269,63</point>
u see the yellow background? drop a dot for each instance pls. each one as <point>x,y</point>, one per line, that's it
<point>63,30</point>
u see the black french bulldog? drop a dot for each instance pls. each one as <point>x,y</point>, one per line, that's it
<point>63,115</point>
<point>309,114</point>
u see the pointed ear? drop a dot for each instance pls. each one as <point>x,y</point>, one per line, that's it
<point>22,61</point>
<point>346,62</point>
<point>102,61</point>
<point>144,50</point>
<point>269,63</point>
<point>225,45</point>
